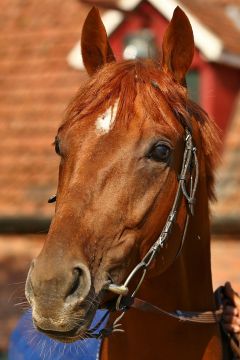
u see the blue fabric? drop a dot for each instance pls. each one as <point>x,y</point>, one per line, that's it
<point>27,343</point>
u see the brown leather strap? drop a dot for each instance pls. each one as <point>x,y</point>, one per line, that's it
<point>204,317</point>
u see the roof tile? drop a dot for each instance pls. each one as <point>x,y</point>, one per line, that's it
<point>217,20</point>
<point>36,85</point>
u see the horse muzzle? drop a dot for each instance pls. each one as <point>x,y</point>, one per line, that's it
<point>61,300</point>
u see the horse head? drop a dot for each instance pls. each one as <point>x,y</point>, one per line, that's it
<point>121,148</point>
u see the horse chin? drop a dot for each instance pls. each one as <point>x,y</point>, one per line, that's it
<point>69,336</point>
<point>79,332</point>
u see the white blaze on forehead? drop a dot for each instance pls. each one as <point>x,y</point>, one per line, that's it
<point>105,122</point>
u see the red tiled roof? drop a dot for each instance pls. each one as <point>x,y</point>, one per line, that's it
<point>36,84</point>
<point>213,15</point>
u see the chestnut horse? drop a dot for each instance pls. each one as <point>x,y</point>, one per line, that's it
<point>122,146</point>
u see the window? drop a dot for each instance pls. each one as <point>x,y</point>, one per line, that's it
<point>192,79</point>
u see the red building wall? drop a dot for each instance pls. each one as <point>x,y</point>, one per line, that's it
<point>145,16</point>
<point>218,84</point>
<point>219,87</point>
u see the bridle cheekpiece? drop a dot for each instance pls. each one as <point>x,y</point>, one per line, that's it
<point>187,186</point>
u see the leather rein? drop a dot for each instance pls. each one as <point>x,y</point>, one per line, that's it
<point>125,301</point>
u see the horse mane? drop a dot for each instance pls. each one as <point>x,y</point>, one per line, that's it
<point>123,81</point>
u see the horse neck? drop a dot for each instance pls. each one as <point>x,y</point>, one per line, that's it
<point>187,283</point>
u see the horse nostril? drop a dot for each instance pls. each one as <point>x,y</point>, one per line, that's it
<point>77,274</point>
<point>78,286</point>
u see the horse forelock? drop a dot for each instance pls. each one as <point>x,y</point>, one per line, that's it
<point>120,83</point>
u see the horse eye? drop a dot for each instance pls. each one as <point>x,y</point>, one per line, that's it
<point>57,146</point>
<point>160,152</point>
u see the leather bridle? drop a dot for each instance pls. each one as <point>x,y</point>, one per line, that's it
<point>189,164</point>
<point>187,186</point>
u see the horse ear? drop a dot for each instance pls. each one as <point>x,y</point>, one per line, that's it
<point>178,46</point>
<point>96,50</point>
